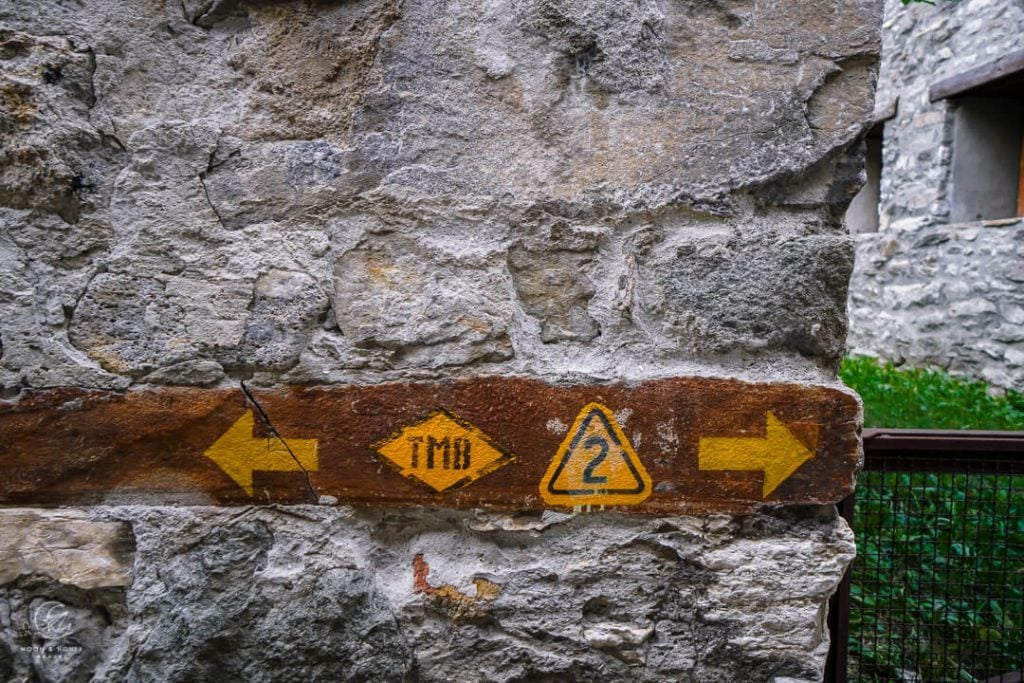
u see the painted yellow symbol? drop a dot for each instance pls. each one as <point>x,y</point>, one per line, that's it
<point>239,453</point>
<point>442,451</point>
<point>778,455</point>
<point>595,465</point>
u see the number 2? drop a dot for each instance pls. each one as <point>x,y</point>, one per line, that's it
<point>588,473</point>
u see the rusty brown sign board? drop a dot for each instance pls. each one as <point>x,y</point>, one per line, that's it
<point>678,445</point>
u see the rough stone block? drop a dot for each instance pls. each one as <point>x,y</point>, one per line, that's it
<point>430,308</point>
<point>63,580</point>
<point>738,293</point>
<point>554,288</point>
<point>66,546</point>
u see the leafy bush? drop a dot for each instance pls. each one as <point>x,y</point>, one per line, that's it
<point>928,399</point>
<point>938,586</point>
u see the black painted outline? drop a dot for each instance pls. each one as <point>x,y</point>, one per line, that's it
<point>572,446</point>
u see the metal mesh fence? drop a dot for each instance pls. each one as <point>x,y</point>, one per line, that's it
<point>937,589</point>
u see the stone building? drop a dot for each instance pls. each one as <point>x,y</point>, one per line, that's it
<point>232,223</point>
<point>939,279</point>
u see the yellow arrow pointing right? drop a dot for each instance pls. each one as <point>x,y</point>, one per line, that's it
<point>778,455</point>
<point>239,453</point>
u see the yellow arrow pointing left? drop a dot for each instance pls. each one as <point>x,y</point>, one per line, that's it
<point>778,455</point>
<point>240,454</point>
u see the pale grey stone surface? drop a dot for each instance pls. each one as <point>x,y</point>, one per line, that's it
<point>512,161</point>
<point>943,296</point>
<point>427,307</point>
<point>330,594</point>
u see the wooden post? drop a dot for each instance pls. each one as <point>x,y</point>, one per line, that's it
<point>1020,181</point>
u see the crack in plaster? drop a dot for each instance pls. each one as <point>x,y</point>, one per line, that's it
<point>273,430</point>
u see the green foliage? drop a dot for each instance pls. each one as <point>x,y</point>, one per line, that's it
<point>938,585</point>
<point>928,399</point>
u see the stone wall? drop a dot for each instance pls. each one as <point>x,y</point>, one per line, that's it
<point>213,192</point>
<point>194,198</point>
<point>925,291</point>
<point>922,44</point>
<point>319,594</point>
<point>943,296</point>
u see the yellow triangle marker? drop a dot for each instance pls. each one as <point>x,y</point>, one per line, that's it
<point>595,465</point>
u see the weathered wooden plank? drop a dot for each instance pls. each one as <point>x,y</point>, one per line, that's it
<point>957,84</point>
<point>1020,181</point>
<point>679,445</point>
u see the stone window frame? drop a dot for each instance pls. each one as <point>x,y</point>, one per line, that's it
<point>1006,74</point>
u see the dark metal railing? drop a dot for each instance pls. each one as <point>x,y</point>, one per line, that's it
<point>936,593</point>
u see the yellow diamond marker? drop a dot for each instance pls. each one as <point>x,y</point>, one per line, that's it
<point>442,451</point>
<point>595,465</point>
